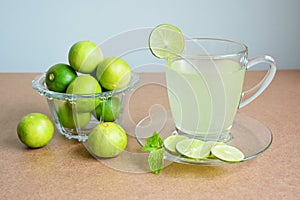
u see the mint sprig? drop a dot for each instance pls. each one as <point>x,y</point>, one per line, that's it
<point>154,144</point>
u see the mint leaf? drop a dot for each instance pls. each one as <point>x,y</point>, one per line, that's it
<point>156,160</point>
<point>152,143</point>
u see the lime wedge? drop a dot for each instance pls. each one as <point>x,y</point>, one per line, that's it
<point>227,153</point>
<point>193,148</point>
<point>166,40</point>
<point>171,141</point>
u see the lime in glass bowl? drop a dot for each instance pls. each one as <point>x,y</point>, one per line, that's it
<point>65,108</point>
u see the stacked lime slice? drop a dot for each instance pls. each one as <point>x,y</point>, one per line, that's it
<point>192,148</point>
<point>198,149</point>
<point>171,141</point>
<point>166,41</point>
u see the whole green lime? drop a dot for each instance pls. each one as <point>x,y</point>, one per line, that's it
<point>109,109</point>
<point>66,117</point>
<point>107,140</point>
<point>59,76</point>
<point>113,73</point>
<point>85,85</point>
<point>35,130</point>
<point>84,56</point>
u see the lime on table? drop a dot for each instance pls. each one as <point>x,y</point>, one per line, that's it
<point>227,153</point>
<point>59,76</point>
<point>166,40</point>
<point>35,130</point>
<point>107,140</point>
<point>84,56</point>
<point>85,85</point>
<point>171,141</point>
<point>193,148</point>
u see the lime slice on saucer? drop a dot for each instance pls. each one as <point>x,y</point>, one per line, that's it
<point>166,40</point>
<point>208,145</point>
<point>193,148</point>
<point>171,141</point>
<point>227,153</point>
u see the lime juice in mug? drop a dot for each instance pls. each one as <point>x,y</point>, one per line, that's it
<point>204,94</point>
<point>205,86</point>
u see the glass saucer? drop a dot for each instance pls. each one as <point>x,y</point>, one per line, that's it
<point>249,135</point>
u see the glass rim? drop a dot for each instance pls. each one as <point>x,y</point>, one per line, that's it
<point>243,51</point>
<point>38,83</point>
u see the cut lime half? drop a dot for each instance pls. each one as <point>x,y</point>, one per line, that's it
<point>193,148</point>
<point>171,141</point>
<point>166,41</point>
<point>227,153</point>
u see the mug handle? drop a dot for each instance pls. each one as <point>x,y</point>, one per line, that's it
<point>265,82</point>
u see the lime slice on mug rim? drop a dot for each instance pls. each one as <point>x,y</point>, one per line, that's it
<point>166,41</point>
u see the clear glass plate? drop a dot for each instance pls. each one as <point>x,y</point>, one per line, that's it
<point>249,135</point>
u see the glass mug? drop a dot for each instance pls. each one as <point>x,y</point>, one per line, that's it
<point>205,86</point>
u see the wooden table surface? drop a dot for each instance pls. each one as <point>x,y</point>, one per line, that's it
<point>65,170</point>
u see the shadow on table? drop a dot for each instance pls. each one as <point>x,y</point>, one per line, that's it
<point>212,172</point>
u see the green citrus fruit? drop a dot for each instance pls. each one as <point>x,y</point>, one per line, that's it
<point>66,117</point>
<point>171,141</point>
<point>35,130</point>
<point>107,140</point>
<point>59,76</point>
<point>166,41</point>
<point>85,85</point>
<point>113,73</point>
<point>227,153</point>
<point>108,110</point>
<point>84,56</point>
<point>193,148</point>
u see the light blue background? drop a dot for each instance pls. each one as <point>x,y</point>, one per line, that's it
<point>38,34</point>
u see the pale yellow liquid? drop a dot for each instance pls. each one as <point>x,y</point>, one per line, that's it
<point>204,96</point>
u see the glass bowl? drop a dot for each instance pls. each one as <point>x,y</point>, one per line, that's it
<point>74,124</point>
